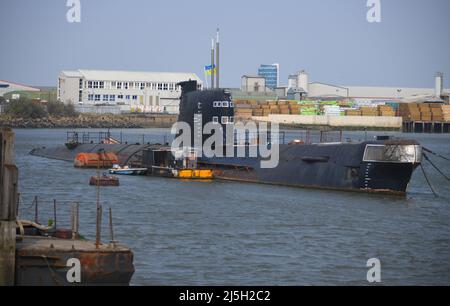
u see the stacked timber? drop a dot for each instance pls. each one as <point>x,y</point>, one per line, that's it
<point>446,112</point>
<point>425,112</point>
<point>436,112</point>
<point>352,112</point>
<point>386,111</point>
<point>369,111</point>
<point>409,111</point>
<point>243,109</point>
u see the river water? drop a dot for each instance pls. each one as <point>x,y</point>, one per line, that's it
<point>226,233</point>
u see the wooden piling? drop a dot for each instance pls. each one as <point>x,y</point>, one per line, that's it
<point>8,208</point>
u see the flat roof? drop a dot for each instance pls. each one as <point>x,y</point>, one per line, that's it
<point>132,76</point>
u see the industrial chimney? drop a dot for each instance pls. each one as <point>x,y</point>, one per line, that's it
<point>439,84</point>
<point>303,80</point>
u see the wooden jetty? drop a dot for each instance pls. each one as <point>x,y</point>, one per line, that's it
<point>8,208</point>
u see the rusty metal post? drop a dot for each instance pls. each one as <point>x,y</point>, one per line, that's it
<point>75,220</point>
<point>18,204</point>
<point>111,229</point>
<point>8,208</point>
<point>98,241</point>
<point>36,210</point>
<point>54,213</point>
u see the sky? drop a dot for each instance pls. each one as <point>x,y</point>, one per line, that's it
<point>331,39</point>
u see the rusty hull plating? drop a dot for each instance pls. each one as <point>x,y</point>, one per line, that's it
<point>42,261</point>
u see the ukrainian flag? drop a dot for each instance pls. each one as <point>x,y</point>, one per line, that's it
<point>210,69</point>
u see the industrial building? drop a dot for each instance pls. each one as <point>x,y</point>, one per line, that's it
<point>271,73</point>
<point>253,84</point>
<point>299,85</point>
<point>7,87</point>
<point>103,91</point>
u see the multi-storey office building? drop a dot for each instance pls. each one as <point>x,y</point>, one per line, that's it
<point>271,74</point>
<point>123,91</point>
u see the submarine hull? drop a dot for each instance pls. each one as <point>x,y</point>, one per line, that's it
<point>334,167</point>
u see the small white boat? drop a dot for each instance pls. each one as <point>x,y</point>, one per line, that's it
<point>116,169</point>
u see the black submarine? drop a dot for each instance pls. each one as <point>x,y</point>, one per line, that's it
<point>383,165</point>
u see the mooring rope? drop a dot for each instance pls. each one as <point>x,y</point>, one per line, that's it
<point>428,181</point>
<point>434,153</point>
<point>435,167</point>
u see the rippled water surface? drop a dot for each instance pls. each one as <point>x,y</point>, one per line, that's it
<point>225,233</point>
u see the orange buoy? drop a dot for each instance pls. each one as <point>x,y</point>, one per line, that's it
<point>94,160</point>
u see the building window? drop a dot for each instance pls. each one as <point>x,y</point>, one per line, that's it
<point>231,104</point>
<point>125,85</point>
<point>224,120</point>
<point>80,83</point>
<point>80,96</point>
<point>120,97</point>
<point>136,85</point>
<point>90,84</point>
<point>128,97</point>
<point>134,97</point>
<point>105,97</point>
<point>113,84</point>
<point>148,85</point>
<point>231,119</point>
<point>95,84</point>
<point>119,85</point>
<point>112,98</point>
<point>97,98</point>
<point>142,86</point>
<point>215,119</point>
<point>225,103</point>
<point>160,86</point>
<point>101,84</point>
<point>216,104</point>
<point>165,86</point>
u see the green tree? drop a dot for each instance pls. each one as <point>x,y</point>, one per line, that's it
<point>69,110</point>
<point>60,109</point>
<point>55,108</point>
<point>25,108</point>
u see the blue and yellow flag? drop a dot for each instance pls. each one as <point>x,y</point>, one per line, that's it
<point>210,69</point>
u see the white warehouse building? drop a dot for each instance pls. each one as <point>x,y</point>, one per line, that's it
<point>104,91</point>
<point>318,90</point>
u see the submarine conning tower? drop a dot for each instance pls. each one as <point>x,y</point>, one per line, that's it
<point>204,106</point>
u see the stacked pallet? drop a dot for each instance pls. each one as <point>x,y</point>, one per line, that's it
<point>409,111</point>
<point>369,111</point>
<point>294,108</point>
<point>436,112</point>
<point>331,110</point>
<point>243,110</point>
<point>352,112</point>
<point>446,112</point>
<point>386,111</point>
<point>425,112</point>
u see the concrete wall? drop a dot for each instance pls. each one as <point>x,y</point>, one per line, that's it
<point>319,89</point>
<point>249,84</point>
<point>335,121</point>
<point>68,91</point>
